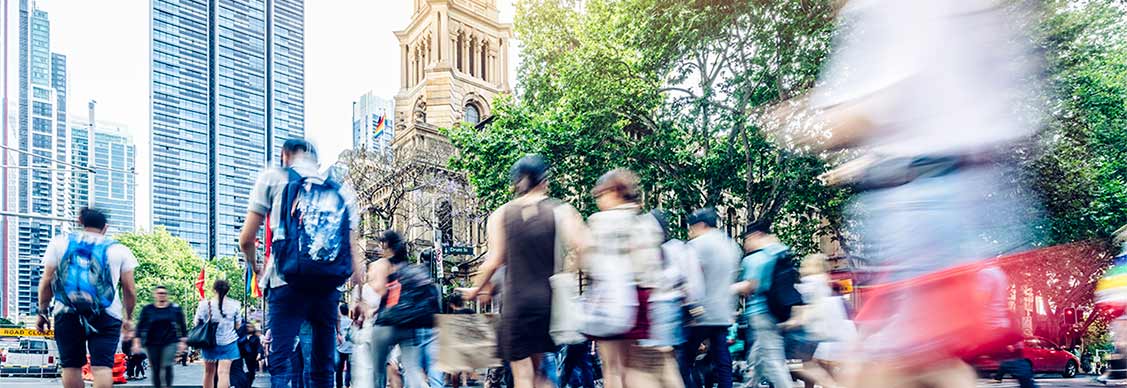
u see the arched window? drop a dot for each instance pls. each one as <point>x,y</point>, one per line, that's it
<point>471,114</point>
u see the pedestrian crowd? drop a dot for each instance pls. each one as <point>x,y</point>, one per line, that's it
<point>616,296</point>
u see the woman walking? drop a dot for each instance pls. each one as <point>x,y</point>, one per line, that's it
<point>625,238</point>
<point>523,237</point>
<point>217,360</point>
<point>161,332</point>
<point>388,277</point>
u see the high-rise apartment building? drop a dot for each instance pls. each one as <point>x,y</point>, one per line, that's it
<point>373,123</point>
<point>42,185</point>
<point>111,186</point>
<point>227,90</point>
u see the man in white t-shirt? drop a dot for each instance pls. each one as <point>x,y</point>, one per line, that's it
<point>78,325</point>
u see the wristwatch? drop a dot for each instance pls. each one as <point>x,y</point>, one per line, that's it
<point>45,312</point>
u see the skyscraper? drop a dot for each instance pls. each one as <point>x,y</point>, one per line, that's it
<point>111,187</point>
<point>228,85</point>
<point>42,185</point>
<point>373,123</point>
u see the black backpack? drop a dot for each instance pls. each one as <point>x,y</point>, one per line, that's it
<point>781,295</point>
<point>411,300</point>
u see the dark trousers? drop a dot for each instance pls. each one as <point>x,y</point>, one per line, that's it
<point>577,368</point>
<point>1020,370</point>
<point>288,309</point>
<point>251,363</point>
<point>344,375</point>
<point>160,362</point>
<point>717,337</point>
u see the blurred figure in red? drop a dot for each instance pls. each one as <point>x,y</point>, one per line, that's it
<point>935,94</point>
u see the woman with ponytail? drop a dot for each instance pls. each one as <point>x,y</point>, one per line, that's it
<point>225,311</point>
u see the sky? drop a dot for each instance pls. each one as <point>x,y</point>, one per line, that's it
<point>350,49</point>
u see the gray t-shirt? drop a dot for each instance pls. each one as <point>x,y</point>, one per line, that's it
<point>719,258</point>
<point>119,258</point>
<point>266,199</point>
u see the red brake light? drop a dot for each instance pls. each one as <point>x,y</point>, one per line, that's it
<point>50,360</point>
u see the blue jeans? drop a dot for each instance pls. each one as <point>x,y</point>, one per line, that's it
<point>550,368</point>
<point>289,308</point>
<point>428,341</point>
<point>717,337</point>
<point>305,342</point>
<point>577,369</point>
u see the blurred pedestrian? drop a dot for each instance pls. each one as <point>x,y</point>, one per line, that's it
<point>302,284</point>
<point>225,312</point>
<point>937,190</point>
<point>523,236</point>
<point>344,348</point>
<point>719,258</point>
<point>250,349</point>
<point>623,237</point>
<point>822,320</point>
<point>162,333</point>
<point>767,358</point>
<point>406,317</point>
<point>87,315</point>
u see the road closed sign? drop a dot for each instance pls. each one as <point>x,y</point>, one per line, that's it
<point>20,332</point>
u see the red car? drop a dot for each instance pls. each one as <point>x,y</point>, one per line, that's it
<point>1043,355</point>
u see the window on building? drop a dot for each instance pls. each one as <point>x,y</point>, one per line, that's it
<point>459,56</point>
<point>483,62</point>
<point>472,115</point>
<point>471,67</point>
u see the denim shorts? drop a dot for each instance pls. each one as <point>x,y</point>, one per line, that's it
<point>222,352</point>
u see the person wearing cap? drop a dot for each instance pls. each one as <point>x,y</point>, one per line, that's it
<point>290,308</point>
<point>522,236</point>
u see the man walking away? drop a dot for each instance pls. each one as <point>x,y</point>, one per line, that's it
<point>301,279</point>
<point>81,273</point>
<point>719,257</point>
<point>767,358</point>
<point>162,332</point>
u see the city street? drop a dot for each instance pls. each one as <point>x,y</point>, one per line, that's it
<point>190,376</point>
<point>184,377</point>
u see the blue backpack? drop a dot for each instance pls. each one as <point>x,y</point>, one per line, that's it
<point>84,283</point>
<point>315,252</point>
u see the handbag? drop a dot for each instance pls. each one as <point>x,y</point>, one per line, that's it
<point>566,316</point>
<point>202,336</point>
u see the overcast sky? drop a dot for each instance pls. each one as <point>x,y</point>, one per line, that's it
<point>349,49</point>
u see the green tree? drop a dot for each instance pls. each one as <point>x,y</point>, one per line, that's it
<point>169,261</point>
<point>669,89</point>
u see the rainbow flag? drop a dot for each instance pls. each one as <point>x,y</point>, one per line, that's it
<point>379,127</point>
<point>1111,290</point>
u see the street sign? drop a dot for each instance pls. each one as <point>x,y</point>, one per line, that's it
<point>457,250</point>
<point>19,332</point>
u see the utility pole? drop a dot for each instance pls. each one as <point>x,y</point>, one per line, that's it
<point>90,147</point>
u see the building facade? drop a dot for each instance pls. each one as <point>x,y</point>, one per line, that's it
<point>454,62</point>
<point>41,184</point>
<point>373,123</point>
<point>227,90</point>
<point>112,185</point>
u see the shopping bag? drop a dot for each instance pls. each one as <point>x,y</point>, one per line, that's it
<point>467,342</point>
<point>566,313</point>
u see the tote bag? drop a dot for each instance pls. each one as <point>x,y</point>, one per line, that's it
<point>202,336</point>
<point>567,315</point>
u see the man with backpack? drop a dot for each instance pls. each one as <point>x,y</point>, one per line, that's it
<point>767,278</point>
<point>313,220</point>
<point>81,273</point>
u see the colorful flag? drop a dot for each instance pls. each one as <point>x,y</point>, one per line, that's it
<point>200,281</point>
<point>379,127</point>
